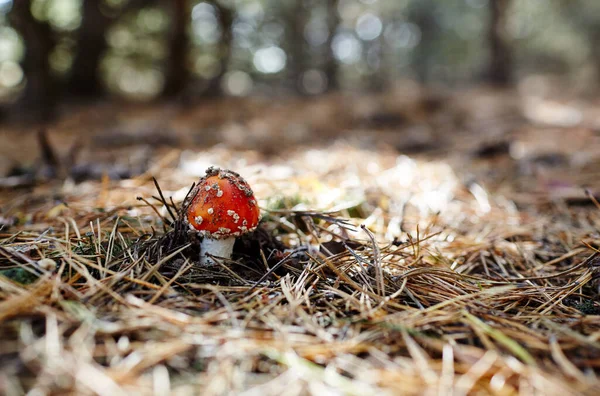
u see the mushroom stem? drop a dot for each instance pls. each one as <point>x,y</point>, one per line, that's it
<point>215,247</point>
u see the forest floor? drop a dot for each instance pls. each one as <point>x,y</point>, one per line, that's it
<point>410,244</point>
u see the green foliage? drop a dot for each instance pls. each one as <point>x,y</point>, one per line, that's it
<point>19,275</point>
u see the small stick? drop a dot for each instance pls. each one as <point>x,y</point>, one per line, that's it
<point>162,197</point>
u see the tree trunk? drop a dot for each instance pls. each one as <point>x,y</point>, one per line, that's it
<point>331,65</point>
<point>500,65</point>
<point>85,79</point>
<point>176,71</point>
<point>594,35</point>
<point>225,17</point>
<point>423,17</point>
<point>377,79</point>
<point>295,22</point>
<point>40,92</point>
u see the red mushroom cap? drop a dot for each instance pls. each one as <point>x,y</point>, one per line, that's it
<point>222,205</point>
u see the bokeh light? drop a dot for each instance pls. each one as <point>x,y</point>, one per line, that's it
<point>11,74</point>
<point>270,60</point>
<point>237,83</point>
<point>347,48</point>
<point>205,26</point>
<point>368,27</point>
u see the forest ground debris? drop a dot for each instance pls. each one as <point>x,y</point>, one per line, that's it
<point>434,293</point>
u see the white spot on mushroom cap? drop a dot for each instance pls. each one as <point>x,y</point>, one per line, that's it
<point>210,211</point>
<point>220,193</point>
<point>232,213</point>
<point>223,233</point>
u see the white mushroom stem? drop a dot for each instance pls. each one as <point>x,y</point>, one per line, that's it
<point>215,247</point>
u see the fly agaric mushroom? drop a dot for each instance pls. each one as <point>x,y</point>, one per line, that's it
<point>220,208</point>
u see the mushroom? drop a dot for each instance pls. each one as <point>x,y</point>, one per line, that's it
<point>220,208</point>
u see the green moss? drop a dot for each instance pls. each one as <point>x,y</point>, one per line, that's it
<point>587,307</point>
<point>19,275</point>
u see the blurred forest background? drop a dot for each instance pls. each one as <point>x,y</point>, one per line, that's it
<point>62,51</point>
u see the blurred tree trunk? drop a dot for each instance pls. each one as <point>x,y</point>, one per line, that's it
<point>594,34</point>
<point>583,16</point>
<point>377,78</point>
<point>85,79</point>
<point>592,27</point>
<point>331,65</point>
<point>422,15</point>
<point>40,92</point>
<point>500,66</point>
<point>176,71</point>
<point>295,21</point>
<point>225,17</point>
